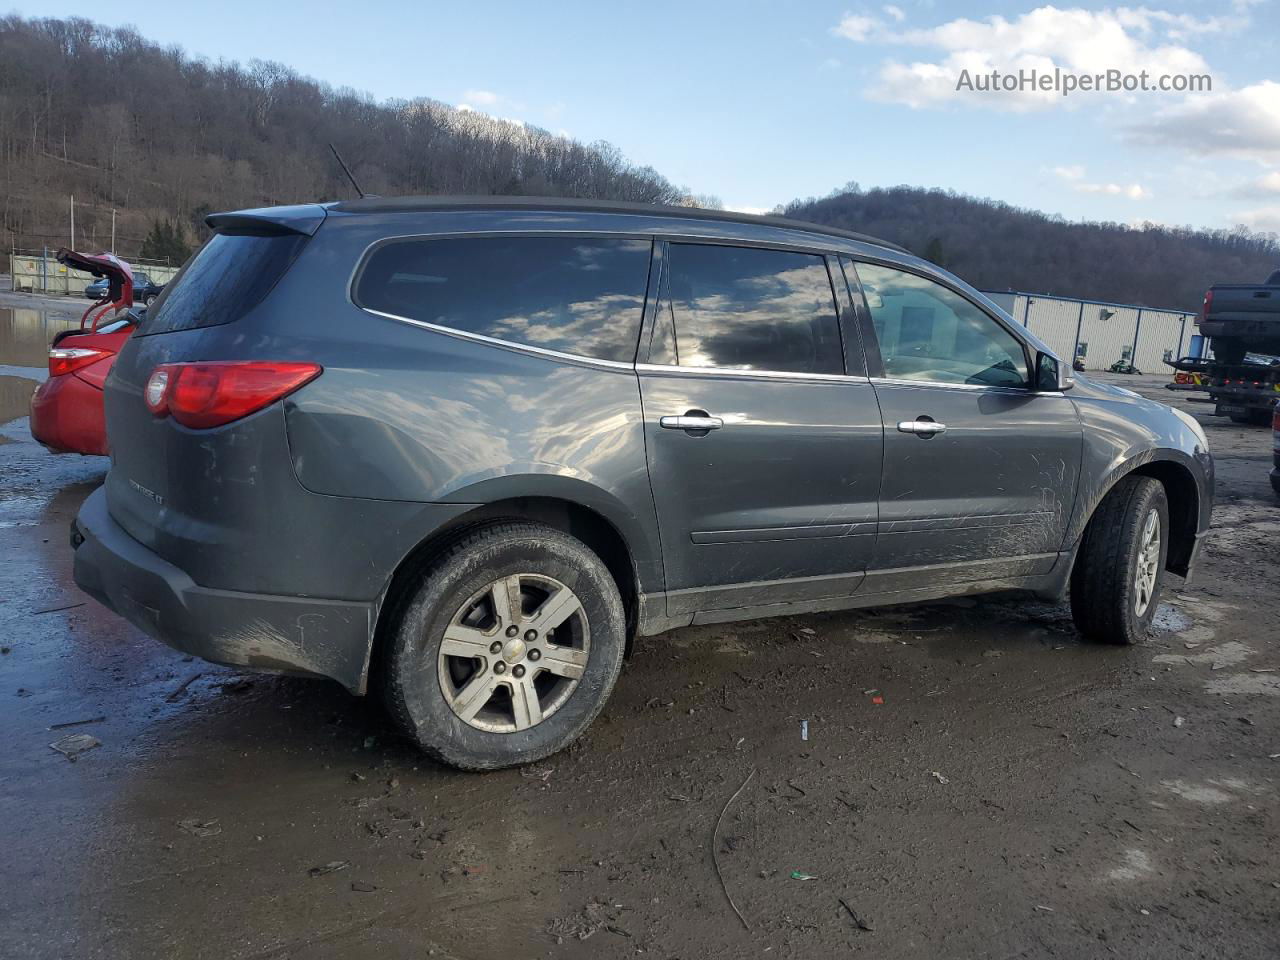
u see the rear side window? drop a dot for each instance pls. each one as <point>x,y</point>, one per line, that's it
<point>576,295</point>
<point>226,278</point>
<point>753,309</point>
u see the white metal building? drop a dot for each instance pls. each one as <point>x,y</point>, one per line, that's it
<point>1103,333</point>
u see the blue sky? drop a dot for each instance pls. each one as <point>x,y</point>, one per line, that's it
<point>759,103</point>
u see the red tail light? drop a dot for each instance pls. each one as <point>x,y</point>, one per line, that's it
<point>63,360</point>
<point>204,395</point>
<point>1207,305</point>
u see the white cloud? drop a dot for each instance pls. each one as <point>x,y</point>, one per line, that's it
<point>758,211</point>
<point>1074,175</point>
<point>896,13</point>
<point>1270,183</point>
<point>1072,39</point>
<point>856,27</point>
<point>1243,123</point>
<point>483,98</point>
<point>1261,218</point>
<point>1134,191</point>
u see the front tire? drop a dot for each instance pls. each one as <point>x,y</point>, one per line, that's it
<point>508,649</point>
<point>1119,569</point>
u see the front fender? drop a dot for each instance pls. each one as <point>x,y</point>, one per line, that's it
<point>1123,433</point>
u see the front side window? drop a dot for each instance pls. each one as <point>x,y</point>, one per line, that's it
<point>927,332</point>
<point>747,308</point>
<point>576,295</point>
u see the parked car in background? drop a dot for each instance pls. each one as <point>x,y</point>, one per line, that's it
<point>66,409</point>
<point>145,290</point>
<point>484,445</point>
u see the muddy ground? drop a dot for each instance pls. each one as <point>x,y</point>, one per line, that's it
<point>975,783</point>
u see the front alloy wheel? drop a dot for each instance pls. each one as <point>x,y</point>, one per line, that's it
<point>1148,565</point>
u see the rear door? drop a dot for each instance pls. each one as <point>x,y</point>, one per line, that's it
<point>980,471</point>
<point>764,442</point>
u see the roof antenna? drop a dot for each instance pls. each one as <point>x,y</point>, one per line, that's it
<point>345,169</point>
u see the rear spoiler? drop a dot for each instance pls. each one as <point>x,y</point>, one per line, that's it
<point>303,219</point>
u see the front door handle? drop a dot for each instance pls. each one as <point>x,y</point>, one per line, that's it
<point>693,422</point>
<point>922,427</point>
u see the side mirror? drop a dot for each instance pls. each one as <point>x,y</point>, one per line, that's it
<point>1052,375</point>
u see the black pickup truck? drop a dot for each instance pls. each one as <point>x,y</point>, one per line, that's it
<point>1242,322</point>
<point>1242,318</point>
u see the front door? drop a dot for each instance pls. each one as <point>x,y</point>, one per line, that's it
<point>764,454</point>
<point>980,471</point>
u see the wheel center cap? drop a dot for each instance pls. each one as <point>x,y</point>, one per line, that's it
<point>513,650</point>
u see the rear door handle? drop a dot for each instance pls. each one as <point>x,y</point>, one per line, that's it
<point>922,428</point>
<point>692,423</point>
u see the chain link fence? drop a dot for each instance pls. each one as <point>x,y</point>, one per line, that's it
<point>36,271</point>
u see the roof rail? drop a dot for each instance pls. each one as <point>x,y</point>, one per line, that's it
<point>427,203</point>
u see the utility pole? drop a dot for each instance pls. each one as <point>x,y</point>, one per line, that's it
<point>113,229</point>
<point>73,221</point>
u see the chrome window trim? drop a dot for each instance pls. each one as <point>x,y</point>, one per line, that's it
<point>989,388</point>
<point>505,344</point>
<point>672,370</point>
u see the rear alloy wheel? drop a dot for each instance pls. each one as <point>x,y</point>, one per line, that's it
<point>509,648</point>
<point>1115,584</point>
<point>514,653</point>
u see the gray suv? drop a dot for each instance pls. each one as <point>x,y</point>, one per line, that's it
<point>467,450</point>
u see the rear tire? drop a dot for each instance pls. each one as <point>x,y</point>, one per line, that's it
<point>486,669</point>
<point>1119,570</point>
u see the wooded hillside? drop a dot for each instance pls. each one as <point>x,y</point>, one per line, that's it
<point>996,246</point>
<point>118,121</point>
<point>165,138</point>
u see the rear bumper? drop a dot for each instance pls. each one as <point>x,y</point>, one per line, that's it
<point>325,638</point>
<point>67,416</point>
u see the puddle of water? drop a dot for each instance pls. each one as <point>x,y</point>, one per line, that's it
<point>15,397</point>
<point>1169,619</point>
<point>25,335</point>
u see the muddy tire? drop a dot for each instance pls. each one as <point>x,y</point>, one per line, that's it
<point>508,649</point>
<point>1119,569</point>
<point>1253,418</point>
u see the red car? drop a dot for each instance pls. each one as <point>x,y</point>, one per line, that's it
<point>66,410</point>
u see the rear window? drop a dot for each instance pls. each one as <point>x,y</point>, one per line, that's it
<point>576,295</point>
<point>227,277</point>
